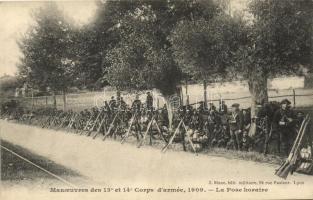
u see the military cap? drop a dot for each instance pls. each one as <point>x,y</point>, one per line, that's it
<point>236,105</point>
<point>285,101</point>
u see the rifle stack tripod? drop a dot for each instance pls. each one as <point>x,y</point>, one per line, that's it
<point>289,165</point>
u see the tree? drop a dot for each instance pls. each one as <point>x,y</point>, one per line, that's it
<point>8,84</point>
<point>47,60</point>
<point>140,61</point>
<point>204,48</point>
<point>143,57</point>
<point>105,32</point>
<point>95,39</point>
<point>280,43</point>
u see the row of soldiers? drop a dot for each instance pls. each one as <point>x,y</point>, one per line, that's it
<point>204,126</point>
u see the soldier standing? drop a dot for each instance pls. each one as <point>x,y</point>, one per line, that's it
<point>236,126</point>
<point>163,119</point>
<point>284,124</point>
<point>136,110</point>
<point>149,101</point>
<point>223,108</point>
<point>136,106</point>
<point>123,104</point>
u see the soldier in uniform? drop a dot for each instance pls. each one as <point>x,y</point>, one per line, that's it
<point>223,108</point>
<point>284,122</point>
<point>163,117</point>
<point>212,122</point>
<point>236,127</point>
<point>188,114</point>
<point>123,104</point>
<point>136,106</point>
<point>113,104</point>
<point>246,142</point>
<point>202,113</point>
<point>149,101</point>
<point>136,110</point>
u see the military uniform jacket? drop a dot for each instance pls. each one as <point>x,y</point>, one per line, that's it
<point>149,102</point>
<point>287,116</point>
<point>235,121</point>
<point>136,106</point>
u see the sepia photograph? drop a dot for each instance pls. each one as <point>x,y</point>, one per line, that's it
<point>156,99</point>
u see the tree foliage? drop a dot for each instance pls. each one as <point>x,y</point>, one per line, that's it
<point>204,48</point>
<point>282,35</point>
<point>47,60</point>
<point>279,43</point>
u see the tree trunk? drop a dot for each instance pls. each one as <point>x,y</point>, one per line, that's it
<point>258,90</point>
<point>205,85</point>
<point>187,95</point>
<point>169,111</point>
<point>64,100</point>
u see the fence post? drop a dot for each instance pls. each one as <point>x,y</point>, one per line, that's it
<point>64,101</point>
<point>187,95</point>
<point>294,97</point>
<point>32,99</point>
<point>46,101</point>
<point>205,93</point>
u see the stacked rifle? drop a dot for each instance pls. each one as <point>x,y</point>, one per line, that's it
<point>289,165</point>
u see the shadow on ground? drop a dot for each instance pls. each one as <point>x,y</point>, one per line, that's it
<point>14,169</point>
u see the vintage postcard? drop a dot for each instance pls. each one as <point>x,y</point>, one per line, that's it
<point>156,99</point>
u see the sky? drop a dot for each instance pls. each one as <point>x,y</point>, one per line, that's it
<point>15,20</point>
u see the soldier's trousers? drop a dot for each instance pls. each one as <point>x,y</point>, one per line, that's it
<point>236,136</point>
<point>286,139</point>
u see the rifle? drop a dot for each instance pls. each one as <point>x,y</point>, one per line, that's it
<point>94,124</point>
<point>103,119</point>
<point>50,119</point>
<point>66,117</point>
<point>112,124</point>
<point>129,128</point>
<point>173,136</point>
<point>87,123</point>
<point>73,119</point>
<point>110,128</point>
<point>80,122</point>
<point>290,162</point>
<point>54,119</point>
<point>45,122</point>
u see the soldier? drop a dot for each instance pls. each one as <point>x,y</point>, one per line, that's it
<point>236,126</point>
<point>136,106</point>
<point>123,104</point>
<point>202,109</point>
<point>202,114</point>
<point>149,101</point>
<point>163,117</point>
<point>136,110</point>
<point>188,114</point>
<point>246,114</point>
<point>212,122</point>
<point>112,104</point>
<point>284,124</point>
<point>223,107</point>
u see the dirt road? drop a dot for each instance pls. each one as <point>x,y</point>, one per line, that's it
<point>110,164</point>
